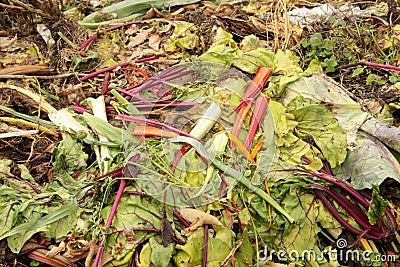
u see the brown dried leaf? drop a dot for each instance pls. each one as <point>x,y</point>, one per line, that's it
<point>132,30</point>
<point>154,42</point>
<point>92,251</point>
<point>139,38</point>
<point>197,218</point>
<point>130,239</point>
<point>56,250</point>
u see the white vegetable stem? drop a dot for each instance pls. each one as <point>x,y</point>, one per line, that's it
<point>206,122</point>
<point>99,111</point>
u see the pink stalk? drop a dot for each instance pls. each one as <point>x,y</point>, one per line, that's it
<point>253,89</point>
<point>257,118</point>
<point>205,248</point>
<point>120,191</point>
<point>105,83</point>
<point>96,73</point>
<point>247,99</point>
<point>164,105</point>
<point>380,66</point>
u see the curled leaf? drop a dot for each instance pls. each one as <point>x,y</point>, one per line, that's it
<point>198,218</point>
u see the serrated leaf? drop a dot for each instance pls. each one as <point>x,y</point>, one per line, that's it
<point>329,64</point>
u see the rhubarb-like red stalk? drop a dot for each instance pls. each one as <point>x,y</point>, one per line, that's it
<point>252,90</point>
<point>96,73</point>
<point>257,118</point>
<point>205,248</point>
<point>120,192</point>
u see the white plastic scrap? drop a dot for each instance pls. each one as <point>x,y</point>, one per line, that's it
<point>305,16</point>
<point>45,33</point>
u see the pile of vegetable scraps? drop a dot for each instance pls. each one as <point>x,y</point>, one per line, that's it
<point>200,165</point>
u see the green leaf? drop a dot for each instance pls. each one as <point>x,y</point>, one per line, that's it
<point>63,226</point>
<point>310,215</point>
<point>239,177</point>
<point>377,206</point>
<point>160,255</point>
<point>21,233</point>
<point>314,67</point>
<point>368,152</point>
<point>393,79</point>
<point>316,121</point>
<point>371,78</point>
<point>191,254</point>
<point>304,42</point>
<point>329,64</point>
<point>69,157</point>
<point>145,256</point>
<point>184,36</point>
<point>287,63</point>
<point>245,253</point>
<point>316,40</point>
<point>357,72</point>
<point>133,212</point>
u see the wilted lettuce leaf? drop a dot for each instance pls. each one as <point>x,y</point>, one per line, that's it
<point>368,163</point>
<point>191,254</point>
<point>19,234</point>
<point>320,89</point>
<point>160,255</point>
<point>184,36</point>
<point>133,212</point>
<point>287,63</point>
<point>310,215</point>
<point>290,148</point>
<point>223,50</point>
<point>315,121</point>
<point>245,252</point>
<point>63,226</point>
<point>250,61</point>
<point>24,211</point>
<point>69,157</point>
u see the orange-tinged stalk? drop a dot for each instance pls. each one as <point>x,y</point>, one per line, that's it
<point>259,112</point>
<point>252,91</point>
<point>152,131</point>
<point>242,113</point>
<point>239,146</point>
<point>255,150</point>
